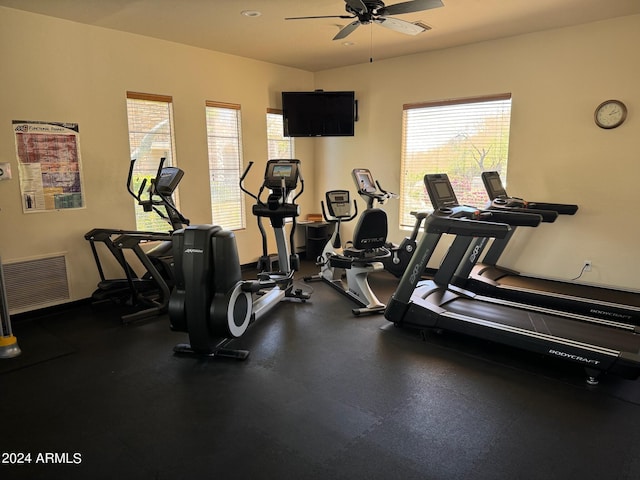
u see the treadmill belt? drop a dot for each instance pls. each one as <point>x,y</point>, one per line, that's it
<point>585,332</point>
<point>601,294</point>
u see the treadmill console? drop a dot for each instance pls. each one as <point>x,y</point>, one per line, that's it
<point>338,203</point>
<point>501,200</point>
<point>493,185</point>
<point>498,194</point>
<point>440,190</point>
<point>444,200</point>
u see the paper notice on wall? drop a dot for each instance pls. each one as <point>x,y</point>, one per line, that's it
<point>49,165</point>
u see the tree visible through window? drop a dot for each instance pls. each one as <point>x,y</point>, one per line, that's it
<point>150,138</point>
<point>461,138</point>
<point>225,162</point>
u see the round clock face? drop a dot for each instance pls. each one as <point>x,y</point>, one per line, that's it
<point>610,114</point>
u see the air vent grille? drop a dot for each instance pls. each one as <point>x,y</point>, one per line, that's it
<point>36,283</point>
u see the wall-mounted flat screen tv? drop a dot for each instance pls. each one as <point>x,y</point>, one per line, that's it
<point>319,114</point>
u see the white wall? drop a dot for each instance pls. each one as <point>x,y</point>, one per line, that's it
<point>557,154</point>
<point>55,70</point>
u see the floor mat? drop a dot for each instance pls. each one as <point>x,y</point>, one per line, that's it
<point>37,345</point>
<point>513,358</point>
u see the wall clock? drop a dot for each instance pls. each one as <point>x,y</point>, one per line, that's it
<point>610,114</point>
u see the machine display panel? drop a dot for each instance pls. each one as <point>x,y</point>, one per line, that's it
<point>440,190</point>
<point>282,170</point>
<point>365,180</point>
<point>493,185</point>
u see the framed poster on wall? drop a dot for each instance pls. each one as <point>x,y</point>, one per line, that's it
<point>49,165</point>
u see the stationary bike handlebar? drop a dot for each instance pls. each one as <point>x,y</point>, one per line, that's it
<point>386,193</point>
<point>380,195</point>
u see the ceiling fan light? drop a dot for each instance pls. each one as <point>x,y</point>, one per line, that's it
<point>400,26</point>
<point>423,25</point>
<point>250,13</point>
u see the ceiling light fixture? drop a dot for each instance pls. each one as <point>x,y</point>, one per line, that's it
<point>420,23</point>
<point>251,13</point>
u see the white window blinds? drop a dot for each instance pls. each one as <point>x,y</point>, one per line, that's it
<point>461,138</point>
<point>278,145</point>
<point>150,120</point>
<point>225,161</point>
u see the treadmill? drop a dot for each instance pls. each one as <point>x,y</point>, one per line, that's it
<point>436,304</point>
<point>488,278</point>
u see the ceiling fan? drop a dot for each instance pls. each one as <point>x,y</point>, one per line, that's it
<point>368,11</point>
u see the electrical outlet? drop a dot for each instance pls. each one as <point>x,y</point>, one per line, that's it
<point>587,266</point>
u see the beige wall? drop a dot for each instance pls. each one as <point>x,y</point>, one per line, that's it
<point>557,154</point>
<point>54,70</point>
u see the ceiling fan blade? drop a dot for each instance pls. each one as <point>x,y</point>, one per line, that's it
<point>321,16</point>
<point>400,25</point>
<point>409,7</point>
<point>357,6</point>
<point>344,31</point>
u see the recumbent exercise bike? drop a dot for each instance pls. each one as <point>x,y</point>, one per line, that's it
<point>372,193</point>
<point>347,267</point>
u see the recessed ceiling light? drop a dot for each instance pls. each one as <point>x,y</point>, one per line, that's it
<point>251,13</point>
<point>348,44</point>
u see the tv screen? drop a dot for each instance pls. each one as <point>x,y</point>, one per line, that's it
<point>318,114</point>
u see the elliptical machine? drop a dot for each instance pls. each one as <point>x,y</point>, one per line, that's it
<point>372,193</point>
<point>151,291</point>
<point>346,267</point>
<point>211,302</point>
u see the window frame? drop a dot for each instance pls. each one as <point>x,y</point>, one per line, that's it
<point>150,221</point>
<point>412,193</point>
<point>281,139</point>
<point>236,210</point>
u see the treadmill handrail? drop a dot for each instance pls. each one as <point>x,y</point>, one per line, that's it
<point>457,221</point>
<point>497,193</point>
<point>560,208</point>
<point>513,218</point>
<point>548,216</point>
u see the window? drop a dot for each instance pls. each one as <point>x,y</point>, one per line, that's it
<point>279,146</point>
<point>225,161</point>
<point>150,138</point>
<point>461,138</point>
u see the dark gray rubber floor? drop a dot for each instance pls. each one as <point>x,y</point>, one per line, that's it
<point>323,395</point>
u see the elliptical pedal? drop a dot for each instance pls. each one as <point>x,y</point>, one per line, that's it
<point>184,349</point>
